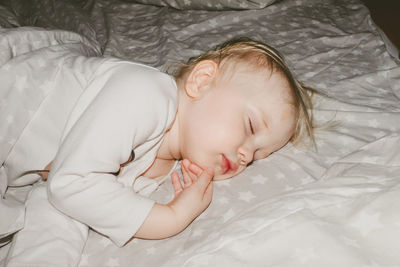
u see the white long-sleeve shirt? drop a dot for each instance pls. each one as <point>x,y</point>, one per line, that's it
<point>126,107</point>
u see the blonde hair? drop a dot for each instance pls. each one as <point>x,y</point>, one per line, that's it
<point>262,55</point>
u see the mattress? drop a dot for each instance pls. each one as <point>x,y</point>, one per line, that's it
<point>337,205</point>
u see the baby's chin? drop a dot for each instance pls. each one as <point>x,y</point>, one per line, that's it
<point>220,177</point>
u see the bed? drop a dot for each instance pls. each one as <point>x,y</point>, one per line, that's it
<point>338,205</point>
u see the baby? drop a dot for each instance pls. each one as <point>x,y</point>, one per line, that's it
<point>221,111</point>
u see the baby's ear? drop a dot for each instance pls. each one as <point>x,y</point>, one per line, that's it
<point>200,78</point>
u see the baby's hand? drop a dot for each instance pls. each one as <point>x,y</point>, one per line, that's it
<point>189,202</point>
<point>45,173</point>
<point>194,197</point>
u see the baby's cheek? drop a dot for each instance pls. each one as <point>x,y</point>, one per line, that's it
<point>262,155</point>
<point>288,114</point>
<point>288,118</point>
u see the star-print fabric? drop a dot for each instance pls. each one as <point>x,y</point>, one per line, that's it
<point>338,205</point>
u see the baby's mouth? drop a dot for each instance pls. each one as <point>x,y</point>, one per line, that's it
<point>227,166</point>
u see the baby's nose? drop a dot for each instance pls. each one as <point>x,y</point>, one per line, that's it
<point>245,155</point>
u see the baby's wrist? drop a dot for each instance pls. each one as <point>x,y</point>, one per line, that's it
<point>181,216</point>
<point>161,223</point>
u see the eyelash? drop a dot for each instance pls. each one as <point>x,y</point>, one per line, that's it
<point>251,126</point>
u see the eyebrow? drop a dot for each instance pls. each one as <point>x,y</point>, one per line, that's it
<point>265,123</point>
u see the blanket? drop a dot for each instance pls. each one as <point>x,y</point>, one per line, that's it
<point>20,101</point>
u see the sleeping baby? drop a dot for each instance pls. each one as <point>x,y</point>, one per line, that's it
<point>219,112</point>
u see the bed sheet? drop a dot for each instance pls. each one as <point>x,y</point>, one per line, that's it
<point>337,206</point>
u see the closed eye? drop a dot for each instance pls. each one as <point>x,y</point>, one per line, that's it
<point>251,126</point>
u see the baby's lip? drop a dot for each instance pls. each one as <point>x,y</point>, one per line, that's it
<point>227,165</point>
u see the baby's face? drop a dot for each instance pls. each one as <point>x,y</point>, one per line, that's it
<point>242,119</point>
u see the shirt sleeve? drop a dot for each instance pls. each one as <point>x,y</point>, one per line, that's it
<point>129,110</point>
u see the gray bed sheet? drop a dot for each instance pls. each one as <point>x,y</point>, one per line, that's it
<point>324,41</point>
<point>298,207</point>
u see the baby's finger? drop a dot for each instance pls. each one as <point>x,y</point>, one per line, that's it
<point>176,183</point>
<point>205,178</point>
<point>186,177</point>
<point>195,169</point>
<point>185,165</point>
<point>208,193</point>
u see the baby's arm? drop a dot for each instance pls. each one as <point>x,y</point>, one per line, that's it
<point>189,202</point>
<point>118,119</point>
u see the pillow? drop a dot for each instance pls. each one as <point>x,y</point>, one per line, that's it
<point>208,5</point>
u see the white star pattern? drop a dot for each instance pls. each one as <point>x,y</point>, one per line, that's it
<point>356,52</point>
<point>306,180</point>
<point>373,123</point>
<point>11,141</point>
<point>304,255</point>
<point>293,166</point>
<point>223,200</point>
<point>213,23</point>
<point>259,179</point>
<point>379,134</point>
<point>246,196</point>
<point>112,262</point>
<point>225,182</point>
<point>46,86</point>
<point>21,83</point>
<point>366,223</point>
<point>372,264</point>
<point>321,85</point>
<point>369,80</point>
<point>281,225</point>
<point>350,242</point>
<point>228,215</point>
<point>31,113</point>
<point>197,232</point>
<point>178,251</point>
<point>296,151</point>
<point>41,63</point>
<point>200,261</point>
<point>105,241</point>
<point>332,53</point>
<point>10,119</point>
<point>350,93</point>
<point>38,43</point>
<point>370,159</point>
<point>288,187</point>
<point>330,160</point>
<point>6,67</point>
<point>151,251</point>
<point>279,176</point>
<point>3,103</point>
<point>283,33</point>
<point>344,140</point>
<point>310,74</point>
